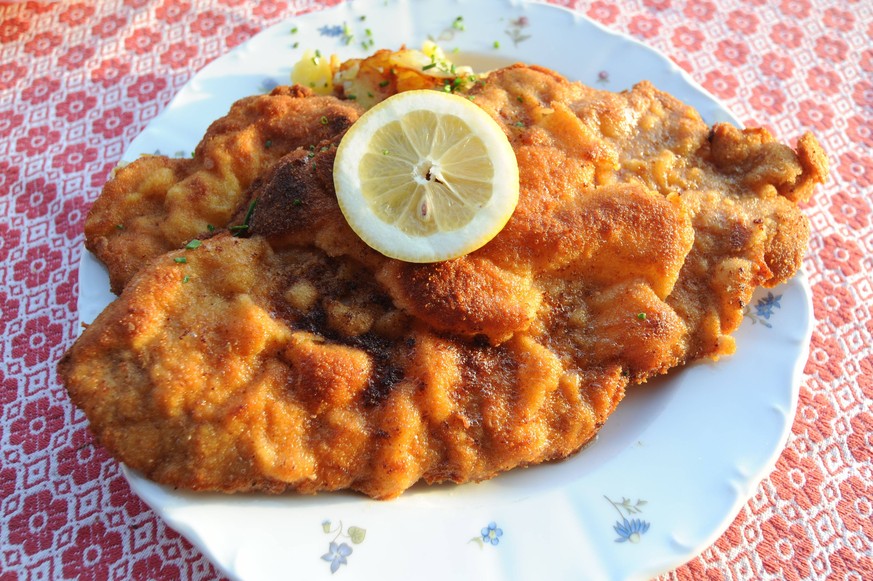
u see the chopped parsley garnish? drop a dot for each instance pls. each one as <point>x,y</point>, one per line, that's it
<point>185,279</point>
<point>384,83</point>
<point>240,228</point>
<point>210,227</point>
<point>296,202</point>
<point>428,67</point>
<point>458,24</point>
<point>119,226</point>
<point>324,120</point>
<point>180,260</point>
<point>641,316</point>
<point>294,30</point>
<point>193,244</point>
<point>268,143</point>
<point>496,44</point>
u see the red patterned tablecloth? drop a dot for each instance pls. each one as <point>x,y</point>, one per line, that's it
<point>78,81</point>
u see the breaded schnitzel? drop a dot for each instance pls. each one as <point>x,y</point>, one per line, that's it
<point>157,204</point>
<point>299,358</point>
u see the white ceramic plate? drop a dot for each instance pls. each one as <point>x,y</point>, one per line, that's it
<point>671,468</point>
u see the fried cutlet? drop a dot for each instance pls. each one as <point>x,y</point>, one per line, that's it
<point>299,358</point>
<point>156,203</point>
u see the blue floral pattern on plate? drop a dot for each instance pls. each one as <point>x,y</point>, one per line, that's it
<point>337,552</point>
<point>629,530</point>
<point>763,309</point>
<point>489,535</point>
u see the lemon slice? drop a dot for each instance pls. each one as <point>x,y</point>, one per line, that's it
<point>426,176</point>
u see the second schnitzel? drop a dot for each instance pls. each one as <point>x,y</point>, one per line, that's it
<point>299,358</point>
<point>156,203</point>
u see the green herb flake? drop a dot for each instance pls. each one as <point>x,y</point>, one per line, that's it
<point>384,83</point>
<point>210,227</point>
<point>520,99</point>
<point>641,316</point>
<point>193,244</point>
<point>351,97</point>
<point>295,45</point>
<point>324,120</point>
<point>296,202</point>
<point>362,17</point>
<point>385,152</point>
<point>185,279</point>
<point>180,260</point>
<point>496,44</point>
<point>240,228</point>
<point>268,143</point>
<point>428,67</point>
<point>294,30</point>
<point>519,124</point>
<point>119,226</point>
<point>458,24</point>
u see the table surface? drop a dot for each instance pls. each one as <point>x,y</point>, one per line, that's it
<point>78,81</point>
